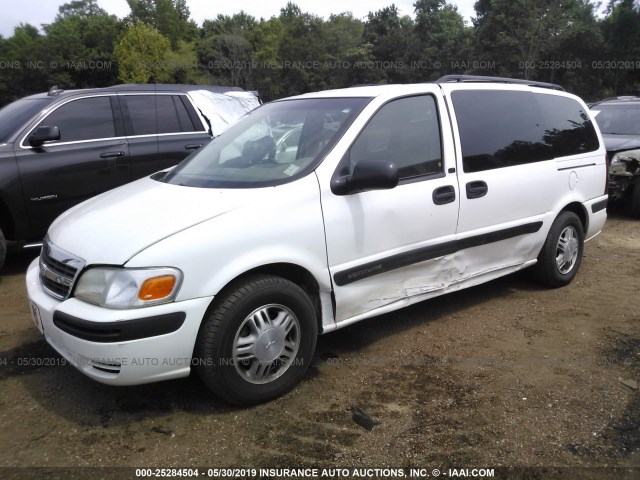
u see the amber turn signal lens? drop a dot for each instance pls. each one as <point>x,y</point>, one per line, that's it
<point>157,288</point>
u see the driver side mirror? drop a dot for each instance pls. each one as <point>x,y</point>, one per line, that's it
<point>366,176</point>
<point>44,134</point>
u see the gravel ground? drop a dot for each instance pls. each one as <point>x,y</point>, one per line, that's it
<point>506,374</point>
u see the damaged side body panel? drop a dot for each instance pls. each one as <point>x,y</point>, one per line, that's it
<point>624,173</point>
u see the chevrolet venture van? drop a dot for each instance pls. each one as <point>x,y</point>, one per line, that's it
<point>60,148</point>
<point>310,214</point>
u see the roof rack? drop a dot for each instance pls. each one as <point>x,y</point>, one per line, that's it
<point>611,99</point>
<point>170,87</point>
<point>479,78</point>
<point>53,91</point>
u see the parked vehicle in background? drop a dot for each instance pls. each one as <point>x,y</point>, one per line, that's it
<point>313,213</point>
<point>619,122</point>
<point>60,148</point>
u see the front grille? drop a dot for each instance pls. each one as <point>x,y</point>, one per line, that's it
<point>58,270</point>
<point>107,367</point>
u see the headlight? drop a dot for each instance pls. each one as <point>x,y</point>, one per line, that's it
<point>626,163</point>
<point>128,287</point>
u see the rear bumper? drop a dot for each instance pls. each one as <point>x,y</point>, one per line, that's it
<point>120,347</point>
<point>597,212</point>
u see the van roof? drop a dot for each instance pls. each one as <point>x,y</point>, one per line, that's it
<point>377,90</point>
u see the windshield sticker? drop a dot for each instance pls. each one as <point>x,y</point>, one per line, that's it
<point>291,170</point>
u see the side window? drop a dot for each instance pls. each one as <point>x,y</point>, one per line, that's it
<point>406,132</point>
<point>506,128</point>
<point>569,129</point>
<point>167,116</point>
<point>140,114</point>
<point>499,129</point>
<point>152,114</point>
<point>84,119</point>
<point>186,123</point>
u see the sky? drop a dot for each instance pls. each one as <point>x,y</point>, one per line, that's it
<point>38,12</point>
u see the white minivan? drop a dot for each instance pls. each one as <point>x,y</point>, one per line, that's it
<point>312,213</point>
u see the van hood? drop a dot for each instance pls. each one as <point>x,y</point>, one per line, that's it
<point>618,143</point>
<point>113,227</point>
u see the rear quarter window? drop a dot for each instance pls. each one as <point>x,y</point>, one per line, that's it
<point>156,114</point>
<point>506,128</point>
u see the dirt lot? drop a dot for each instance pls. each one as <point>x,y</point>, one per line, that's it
<point>505,374</point>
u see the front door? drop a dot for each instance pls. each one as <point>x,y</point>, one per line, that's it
<point>91,157</point>
<point>389,246</point>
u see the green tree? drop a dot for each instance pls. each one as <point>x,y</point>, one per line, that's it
<point>442,35</point>
<point>393,44</point>
<point>141,54</point>
<point>80,44</point>
<point>26,70</point>
<point>265,41</point>
<point>517,34</point>
<point>573,52</point>
<point>225,49</point>
<point>344,52</point>
<point>170,17</point>
<point>81,8</point>
<point>299,58</point>
<point>182,64</point>
<point>621,31</point>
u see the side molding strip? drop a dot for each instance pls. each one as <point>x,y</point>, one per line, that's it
<point>601,205</point>
<point>405,259</point>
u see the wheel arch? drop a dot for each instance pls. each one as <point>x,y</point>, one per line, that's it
<point>7,225</point>
<point>579,209</point>
<point>289,271</point>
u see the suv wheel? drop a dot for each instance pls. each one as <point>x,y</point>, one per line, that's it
<point>3,249</point>
<point>561,254</point>
<point>258,340</point>
<point>635,199</point>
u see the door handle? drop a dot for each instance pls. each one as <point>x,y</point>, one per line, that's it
<point>444,195</point>
<point>476,189</point>
<point>112,155</point>
<point>192,146</point>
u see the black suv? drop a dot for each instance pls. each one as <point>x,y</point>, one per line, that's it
<point>62,147</point>
<point>619,122</point>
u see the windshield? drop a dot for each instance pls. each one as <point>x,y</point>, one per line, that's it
<point>15,114</point>
<point>275,144</point>
<point>618,119</point>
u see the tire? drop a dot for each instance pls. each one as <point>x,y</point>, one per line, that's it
<point>3,249</point>
<point>561,254</point>
<point>635,199</point>
<point>280,317</point>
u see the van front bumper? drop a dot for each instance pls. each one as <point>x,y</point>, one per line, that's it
<point>119,347</point>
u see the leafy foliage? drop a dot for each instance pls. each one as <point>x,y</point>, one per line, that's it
<point>141,54</point>
<point>561,41</point>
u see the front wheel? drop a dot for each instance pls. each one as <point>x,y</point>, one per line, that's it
<point>561,254</point>
<point>257,341</point>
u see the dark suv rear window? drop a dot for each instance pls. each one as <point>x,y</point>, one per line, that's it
<point>506,128</point>
<point>153,114</point>
<point>621,119</point>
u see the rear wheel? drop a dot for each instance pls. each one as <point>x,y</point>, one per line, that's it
<point>3,249</point>
<point>635,199</point>
<point>561,255</point>
<point>258,340</point>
